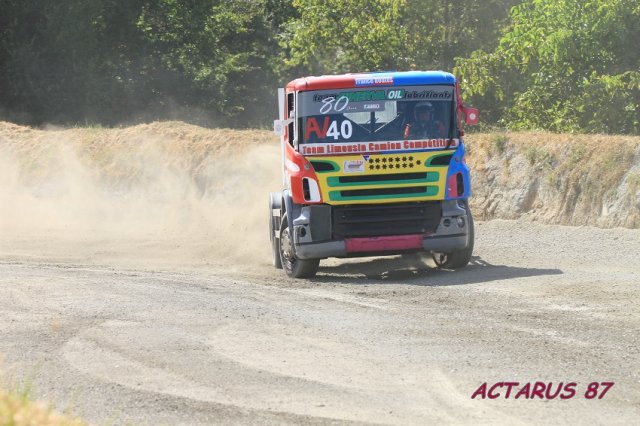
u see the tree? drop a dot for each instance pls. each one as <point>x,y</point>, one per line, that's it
<point>369,35</point>
<point>337,36</point>
<point>441,30</point>
<point>69,61</point>
<point>563,65</point>
<point>214,55</point>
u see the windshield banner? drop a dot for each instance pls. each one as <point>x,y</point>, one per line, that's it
<point>376,147</point>
<point>364,100</point>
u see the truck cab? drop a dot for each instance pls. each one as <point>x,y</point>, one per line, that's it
<point>372,164</point>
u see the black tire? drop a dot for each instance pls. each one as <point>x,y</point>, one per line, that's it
<point>273,226</point>
<point>294,267</point>
<point>459,258</point>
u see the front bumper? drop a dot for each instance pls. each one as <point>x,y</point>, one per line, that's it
<point>451,233</point>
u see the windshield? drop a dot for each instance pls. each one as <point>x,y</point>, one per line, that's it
<point>376,114</point>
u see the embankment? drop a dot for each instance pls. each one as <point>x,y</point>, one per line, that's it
<point>180,178</point>
<point>556,178</point>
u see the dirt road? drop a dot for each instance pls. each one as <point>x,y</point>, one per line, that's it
<point>113,330</point>
<point>135,287</point>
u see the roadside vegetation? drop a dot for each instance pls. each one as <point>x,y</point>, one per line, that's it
<point>554,178</point>
<point>16,409</point>
<point>557,65</point>
<point>566,178</point>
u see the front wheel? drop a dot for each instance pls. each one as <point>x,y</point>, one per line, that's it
<point>295,268</point>
<point>459,258</point>
<point>274,228</point>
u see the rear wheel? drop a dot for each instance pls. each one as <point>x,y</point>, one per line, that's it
<point>275,245</point>
<point>459,258</point>
<point>295,268</point>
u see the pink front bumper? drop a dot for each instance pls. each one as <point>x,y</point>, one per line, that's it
<point>390,243</point>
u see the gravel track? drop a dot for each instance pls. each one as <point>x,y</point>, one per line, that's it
<point>111,330</point>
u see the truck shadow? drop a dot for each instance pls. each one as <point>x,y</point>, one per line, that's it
<point>419,272</point>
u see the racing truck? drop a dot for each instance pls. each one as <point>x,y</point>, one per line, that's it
<point>373,164</point>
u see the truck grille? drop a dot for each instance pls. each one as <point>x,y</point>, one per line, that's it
<point>385,186</point>
<point>385,219</point>
<point>385,178</point>
<point>384,191</point>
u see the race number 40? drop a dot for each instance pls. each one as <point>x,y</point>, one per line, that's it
<point>330,128</point>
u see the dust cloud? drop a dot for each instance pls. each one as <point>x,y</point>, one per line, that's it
<point>161,194</point>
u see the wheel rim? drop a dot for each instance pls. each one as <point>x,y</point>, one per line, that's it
<point>286,253</point>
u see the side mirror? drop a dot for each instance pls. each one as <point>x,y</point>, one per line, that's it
<point>471,115</point>
<point>280,125</point>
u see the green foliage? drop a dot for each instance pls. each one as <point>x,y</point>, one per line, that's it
<point>539,157</point>
<point>441,30</point>
<point>340,36</point>
<point>216,54</point>
<point>368,35</point>
<point>71,61</point>
<point>499,143</point>
<point>114,61</point>
<point>633,185</point>
<point>593,173</point>
<point>563,65</point>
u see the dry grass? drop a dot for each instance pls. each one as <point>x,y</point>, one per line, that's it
<point>178,184</point>
<point>595,163</point>
<point>118,154</point>
<point>18,410</point>
<point>579,179</point>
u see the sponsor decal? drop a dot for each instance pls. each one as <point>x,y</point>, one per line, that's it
<point>338,101</point>
<point>374,81</point>
<point>362,96</point>
<point>349,101</point>
<point>430,144</point>
<point>430,94</point>
<point>359,96</point>
<point>375,147</point>
<point>321,97</point>
<point>396,94</point>
<point>353,166</point>
<point>375,107</point>
<point>329,129</point>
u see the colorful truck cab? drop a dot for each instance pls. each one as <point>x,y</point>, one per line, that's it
<point>373,164</point>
